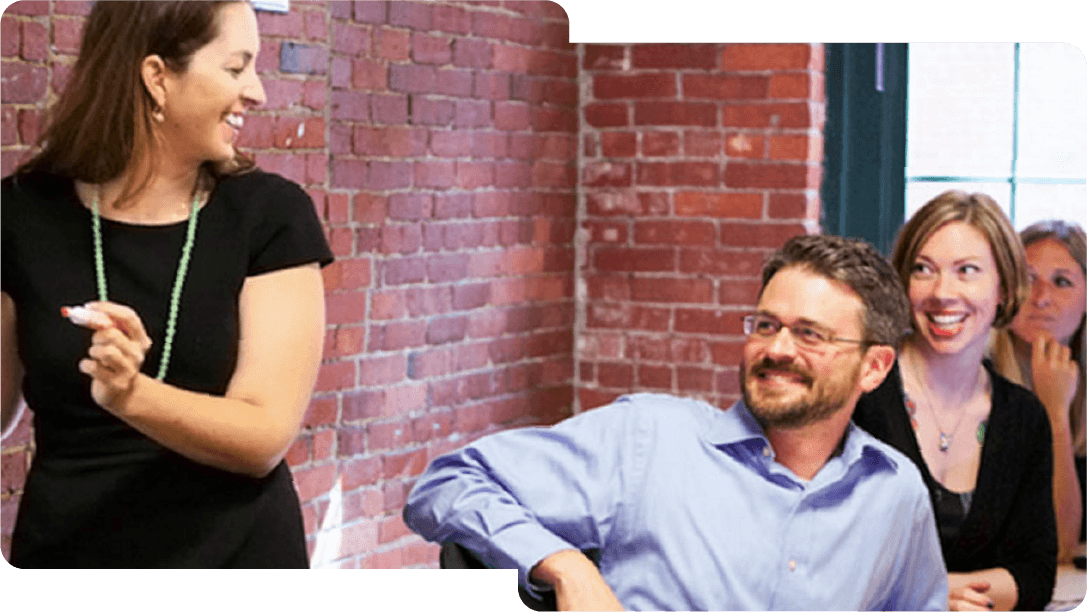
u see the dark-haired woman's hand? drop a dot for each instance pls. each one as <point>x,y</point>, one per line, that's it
<point>1053,376</point>
<point>116,354</point>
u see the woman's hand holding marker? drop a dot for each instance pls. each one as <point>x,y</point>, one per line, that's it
<point>118,347</point>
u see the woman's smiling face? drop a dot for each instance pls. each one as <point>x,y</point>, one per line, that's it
<point>954,289</point>
<point>205,104</point>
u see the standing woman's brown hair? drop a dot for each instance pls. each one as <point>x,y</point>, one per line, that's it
<point>103,120</point>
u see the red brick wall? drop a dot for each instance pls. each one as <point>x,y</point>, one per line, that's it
<point>698,160</point>
<point>440,144</point>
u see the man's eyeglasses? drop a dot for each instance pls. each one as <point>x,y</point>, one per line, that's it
<point>765,327</point>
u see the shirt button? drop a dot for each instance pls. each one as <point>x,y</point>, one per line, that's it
<point>793,565</point>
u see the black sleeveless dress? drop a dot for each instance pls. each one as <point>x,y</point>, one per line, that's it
<point>98,492</point>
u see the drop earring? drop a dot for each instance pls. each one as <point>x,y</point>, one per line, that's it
<point>157,114</point>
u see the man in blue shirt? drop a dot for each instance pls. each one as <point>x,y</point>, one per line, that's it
<point>779,502</point>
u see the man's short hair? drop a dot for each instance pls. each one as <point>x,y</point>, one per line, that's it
<point>861,267</point>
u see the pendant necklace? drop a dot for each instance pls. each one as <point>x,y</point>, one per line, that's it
<point>179,279</point>
<point>945,440</point>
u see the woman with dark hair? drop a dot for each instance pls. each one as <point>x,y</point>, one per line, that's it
<point>1043,350</point>
<point>982,443</point>
<point>166,400</point>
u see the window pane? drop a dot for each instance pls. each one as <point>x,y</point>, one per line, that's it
<point>960,108</point>
<point>1040,202</point>
<point>918,193</point>
<point>1053,95</point>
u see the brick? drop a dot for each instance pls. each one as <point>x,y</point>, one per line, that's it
<point>620,375</point>
<point>349,173</point>
<point>403,270</point>
<point>721,262</point>
<point>626,316</point>
<point>552,119</point>
<point>452,82</point>
<point>427,49</point>
<point>451,19</point>
<point>392,45</point>
<point>433,174</point>
<point>796,86</point>
<point>470,175</point>
<point>619,144</point>
<point>765,235</point>
<point>774,115</point>
<point>34,8</point>
<point>672,290</point>
<point>702,143</point>
<point>610,86</point>
<point>315,25</point>
<point>313,95</point>
<point>414,15</point>
<point>544,9</point>
<point>368,11</point>
<point>655,377</point>
<point>705,174</point>
<point>554,146</point>
<point>702,321</point>
<point>280,24</point>
<point>694,379</point>
<point>792,206</point>
<point>431,111</point>
<point>368,74</point>
<point>739,292</point>
<point>660,144</point>
<point>675,113</point>
<point>604,57</point>
<point>725,87</point>
<point>719,204</point>
<point>557,36</point>
<point>67,34</point>
<point>410,206</point>
<point>670,55</point>
<point>281,94</point>
<point>469,113</point>
<point>490,144</point>
<point>513,175</point>
<point>30,125</point>
<point>743,175</point>
<point>340,72</point>
<point>401,238</point>
<point>295,133</point>
<point>450,206</point>
<point>621,203</point>
<point>675,232</point>
<point>745,145</point>
<point>23,83</point>
<point>313,482</point>
<point>606,174</point>
<point>389,109</point>
<point>9,132</point>
<point>491,86</point>
<point>424,302</point>
<point>395,336</point>
<point>388,141</point>
<point>411,78</point>
<point>624,259</point>
<point>511,116</point>
<point>445,330</point>
<point>758,57</point>
<point>382,370</point>
<point>469,53</point>
<point>303,59</point>
<point>802,147</point>
<point>35,41</point>
<point>10,35</point>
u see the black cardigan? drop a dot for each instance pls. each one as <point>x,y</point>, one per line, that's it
<point>1011,522</point>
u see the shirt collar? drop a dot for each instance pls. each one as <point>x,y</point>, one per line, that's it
<point>737,426</point>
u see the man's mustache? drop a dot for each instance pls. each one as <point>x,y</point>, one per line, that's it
<point>766,364</point>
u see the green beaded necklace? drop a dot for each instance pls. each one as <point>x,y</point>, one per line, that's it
<point>179,280</point>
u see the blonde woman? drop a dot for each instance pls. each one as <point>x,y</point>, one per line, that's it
<point>1043,350</point>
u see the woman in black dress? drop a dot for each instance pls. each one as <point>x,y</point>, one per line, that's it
<point>982,443</point>
<point>161,421</point>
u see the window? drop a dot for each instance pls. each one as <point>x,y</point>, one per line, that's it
<point>905,122</point>
<point>1005,119</point>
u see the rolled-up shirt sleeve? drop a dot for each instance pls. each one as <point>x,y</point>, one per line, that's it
<point>516,497</point>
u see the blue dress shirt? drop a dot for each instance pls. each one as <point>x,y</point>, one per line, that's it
<point>691,511</point>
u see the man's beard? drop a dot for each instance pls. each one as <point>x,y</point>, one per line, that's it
<point>785,410</point>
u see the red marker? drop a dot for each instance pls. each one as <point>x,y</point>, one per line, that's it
<point>86,317</point>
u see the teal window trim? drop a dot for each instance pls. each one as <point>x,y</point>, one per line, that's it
<point>863,194</point>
